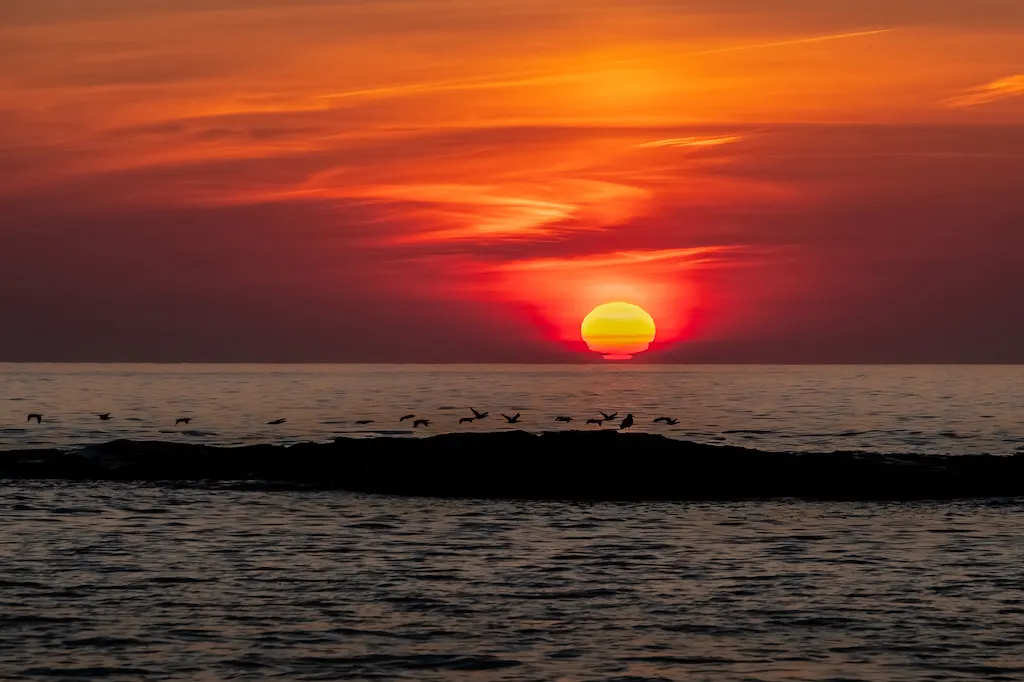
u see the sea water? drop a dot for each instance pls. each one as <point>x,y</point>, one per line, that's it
<point>919,408</point>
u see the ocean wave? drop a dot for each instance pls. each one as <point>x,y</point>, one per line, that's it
<point>515,464</point>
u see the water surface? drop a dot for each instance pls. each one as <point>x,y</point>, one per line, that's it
<point>926,409</point>
<point>131,582</point>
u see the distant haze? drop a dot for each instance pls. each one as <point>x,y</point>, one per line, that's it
<point>455,181</point>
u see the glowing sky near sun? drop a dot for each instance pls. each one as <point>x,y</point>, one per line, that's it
<point>773,180</point>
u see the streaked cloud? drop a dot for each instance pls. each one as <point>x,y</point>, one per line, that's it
<point>806,40</point>
<point>690,142</point>
<point>1003,88</point>
<point>618,259</point>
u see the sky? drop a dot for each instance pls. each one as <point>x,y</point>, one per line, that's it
<point>463,181</point>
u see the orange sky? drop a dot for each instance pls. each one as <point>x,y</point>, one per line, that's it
<point>774,180</point>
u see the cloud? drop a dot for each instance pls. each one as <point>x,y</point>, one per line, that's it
<point>675,258</point>
<point>1011,86</point>
<point>690,142</point>
<point>797,41</point>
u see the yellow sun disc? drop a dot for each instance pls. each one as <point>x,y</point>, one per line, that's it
<point>618,330</point>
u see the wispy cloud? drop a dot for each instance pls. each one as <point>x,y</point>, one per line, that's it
<point>1011,86</point>
<point>690,142</point>
<point>689,256</point>
<point>796,41</point>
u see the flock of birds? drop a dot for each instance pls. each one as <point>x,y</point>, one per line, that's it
<point>624,425</point>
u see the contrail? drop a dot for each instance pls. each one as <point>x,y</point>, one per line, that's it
<point>796,41</point>
<point>533,78</point>
<point>477,83</point>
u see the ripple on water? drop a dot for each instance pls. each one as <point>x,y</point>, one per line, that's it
<point>303,586</point>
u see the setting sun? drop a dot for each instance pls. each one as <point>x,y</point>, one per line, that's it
<point>618,330</point>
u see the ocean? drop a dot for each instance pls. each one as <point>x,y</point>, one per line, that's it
<point>139,582</point>
<point>183,581</point>
<point>921,409</point>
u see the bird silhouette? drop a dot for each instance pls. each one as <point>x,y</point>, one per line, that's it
<point>37,417</point>
<point>182,420</point>
<point>563,419</point>
<point>362,422</point>
<point>609,417</point>
<point>599,422</point>
<point>467,420</point>
<point>479,415</point>
<point>666,420</point>
<point>420,422</point>
<point>282,420</point>
<point>514,419</point>
<point>104,417</point>
<point>408,416</point>
<point>627,422</point>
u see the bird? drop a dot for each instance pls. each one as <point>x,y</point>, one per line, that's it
<point>362,422</point>
<point>282,420</point>
<point>514,419</point>
<point>666,420</point>
<point>599,422</point>
<point>627,422</point>
<point>182,420</point>
<point>609,417</point>
<point>104,417</point>
<point>467,420</point>
<point>563,419</point>
<point>420,422</point>
<point>408,416</point>
<point>479,415</point>
<point>37,417</point>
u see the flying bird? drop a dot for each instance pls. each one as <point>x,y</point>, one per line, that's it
<point>627,422</point>
<point>362,422</point>
<point>466,420</point>
<point>609,417</point>
<point>182,420</point>
<point>408,416</point>
<point>666,420</point>
<point>563,419</point>
<point>282,420</point>
<point>513,419</point>
<point>420,422</point>
<point>104,417</point>
<point>37,417</point>
<point>599,422</point>
<point>479,415</point>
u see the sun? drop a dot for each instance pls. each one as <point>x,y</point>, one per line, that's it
<point>618,330</point>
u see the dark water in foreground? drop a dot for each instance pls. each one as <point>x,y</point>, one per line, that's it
<point>129,582</point>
